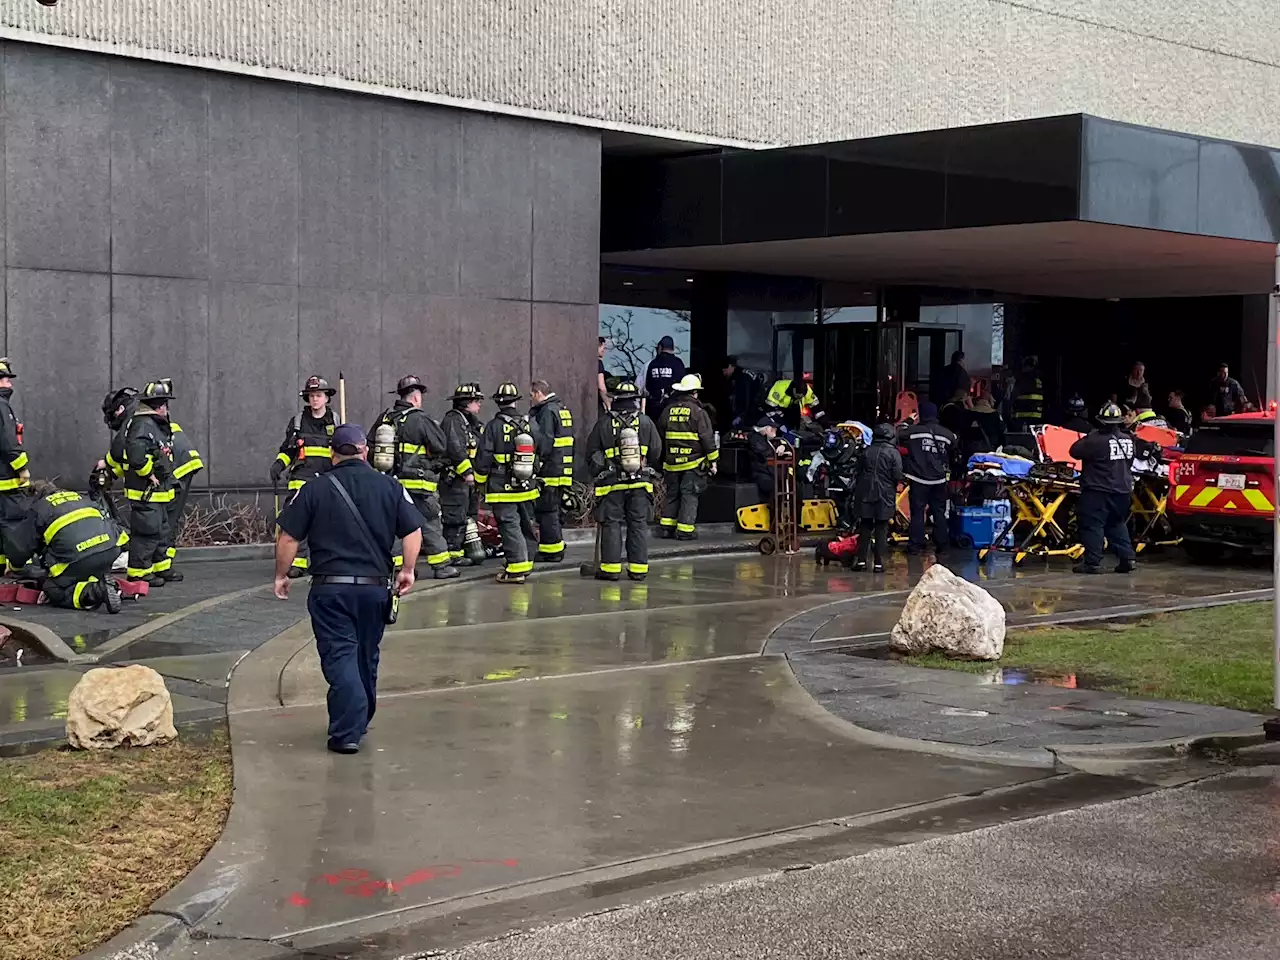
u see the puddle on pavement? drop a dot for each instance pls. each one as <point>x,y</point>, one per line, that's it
<point>18,651</point>
<point>1001,676</point>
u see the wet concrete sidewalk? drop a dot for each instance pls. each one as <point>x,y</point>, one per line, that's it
<point>838,654</point>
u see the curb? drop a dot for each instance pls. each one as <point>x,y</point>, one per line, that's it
<point>146,938</point>
<point>52,644</point>
<point>1173,749</point>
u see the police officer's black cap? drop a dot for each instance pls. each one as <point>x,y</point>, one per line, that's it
<point>408,384</point>
<point>348,439</point>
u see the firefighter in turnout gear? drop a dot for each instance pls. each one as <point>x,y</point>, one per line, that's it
<point>556,425</point>
<point>148,484</point>
<point>71,538</point>
<point>417,445</point>
<point>793,402</point>
<point>1028,398</point>
<point>186,464</point>
<point>507,465</point>
<point>305,450</point>
<point>459,498</point>
<point>622,444</point>
<point>688,458</point>
<point>14,475</point>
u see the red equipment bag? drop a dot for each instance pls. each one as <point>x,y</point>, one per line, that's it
<point>843,549</point>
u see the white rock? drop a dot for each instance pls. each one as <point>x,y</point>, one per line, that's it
<point>119,706</point>
<point>949,614</point>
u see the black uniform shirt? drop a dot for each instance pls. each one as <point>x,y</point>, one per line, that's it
<point>663,370</point>
<point>930,449</point>
<point>319,516</point>
<point>1106,460</point>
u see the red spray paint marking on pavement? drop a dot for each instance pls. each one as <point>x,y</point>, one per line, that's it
<point>359,883</point>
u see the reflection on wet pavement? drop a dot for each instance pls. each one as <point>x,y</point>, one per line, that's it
<point>473,788</point>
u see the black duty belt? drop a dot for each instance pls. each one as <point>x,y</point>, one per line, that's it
<point>323,578</point>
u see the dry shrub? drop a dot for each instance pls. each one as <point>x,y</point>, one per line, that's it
<point>220,520</point>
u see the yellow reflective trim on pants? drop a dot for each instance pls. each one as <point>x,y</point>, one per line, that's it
<point>524,566</point>
<point>437,559</point>
<point>429,485</point>
<point>457,554</point>
<point>137,571</point>
<point>171,552</point>
<point>684,527</point>
<point>611,568</point>
<point>19,461</point>
<point>667,521</point>
<point>162,566</point>
<point>57,568</point>
<point>84,513</point>
<point>301,563</point>
<point>638,567</point>
<point>1205,497</point>
<point>148,496</point>
<point>79,591</point>
<point>551,548</point>
<point>563,442</point>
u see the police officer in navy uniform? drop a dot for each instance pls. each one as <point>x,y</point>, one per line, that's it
<point>351,573</point>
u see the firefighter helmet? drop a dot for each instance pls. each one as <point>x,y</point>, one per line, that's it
<point>6,368</point>
<point>468,392</point>
<point>625,390</point>
<point>316,385</point>
<point>1110,414</point>
<point>1075,405</point>
<point>408,383</point>
<point>689,383</point>
<point>157,392</point>
<point>507,394</point>
<point>112,402</point>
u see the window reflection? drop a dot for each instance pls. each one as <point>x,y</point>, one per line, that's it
<point>633,334</point>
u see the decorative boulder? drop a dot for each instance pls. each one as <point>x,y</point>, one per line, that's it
<point>951,615</point>
<point>119,707</point>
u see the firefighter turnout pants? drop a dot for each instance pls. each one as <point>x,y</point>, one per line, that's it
<point>680,510</point>
<point>515,523</point>
<point>624,515</point>
<point>81,585</point>
<point>12,513</point>
<point>434,548</point>
<point>1100,514</point>
<point>302,560</point>
<point>546,511</point>
<point>455,506</point>
<point>176,510</point>
<point>148,538</point>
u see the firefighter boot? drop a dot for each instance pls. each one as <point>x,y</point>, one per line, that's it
<point>113,599</point>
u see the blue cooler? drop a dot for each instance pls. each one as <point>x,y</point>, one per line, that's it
<point>981,525</point>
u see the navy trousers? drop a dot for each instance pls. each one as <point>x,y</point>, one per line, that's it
<point>1101,514</point>
<point>348,623</point>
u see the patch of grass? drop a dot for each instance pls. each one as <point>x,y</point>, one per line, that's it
<point>1219,655</point>
<point>88,841</point>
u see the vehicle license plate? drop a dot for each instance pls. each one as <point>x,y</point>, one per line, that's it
<point>1231,481</point>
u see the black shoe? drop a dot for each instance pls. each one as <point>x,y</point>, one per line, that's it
<point>505,577</point>
<point>113,599</point>
<point>637,577</point>
<point>445,572</point>
<point>296,573</point>
<point>687,536</point>
<point>1126,566</point>
<point>878,568</point>
<point>153,580</point>
<point>343,748</point>
<point>461,562</point>
<point>611,577</point>
<point>1087,568</point>
<point>666,533</point>
<point>549,557</point>
<point>171,576</point>
<point>859,566</point>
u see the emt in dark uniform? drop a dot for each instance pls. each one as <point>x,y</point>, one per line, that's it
<point>931,448</point>
<point>1106,489</point>
<point>351,574</point>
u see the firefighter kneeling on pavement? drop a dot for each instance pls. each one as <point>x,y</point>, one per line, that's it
<point>406,443</point>
<point>622,444</point>
<point>688,458</point>
<point>555,423</point>
<point>68,536</point>
<point>507,465</point>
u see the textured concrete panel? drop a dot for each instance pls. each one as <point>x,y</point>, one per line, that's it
<point>426,336</point>
<point>58,159</point>
<point>253,372</point>
<point>340,241</point>
<point>566,214</point>
<point>496,208</point>
<point>817,70</point>
<point>495,343</point>
<point>59,334</point>
<point>160,328</point>
<point>564,354</point>
<point>159,171</point>
<point>340,331</point>
<point>421,161</point>
<point>253,180</point>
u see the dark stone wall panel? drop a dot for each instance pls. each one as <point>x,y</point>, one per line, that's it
<point>566,214</point>
<point>253,181</point>
<point>58,168</point>
<point>58,336</point>
<point>423,336</point>
<point>421,163</point>
<point>340,241</point>
<point>495,344</point>
<point>339,331</point>
<point>160,328</point>
<point>564,354</point>
<point>159,170</point>
<point>253,373</point>
<point>496,208</point>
